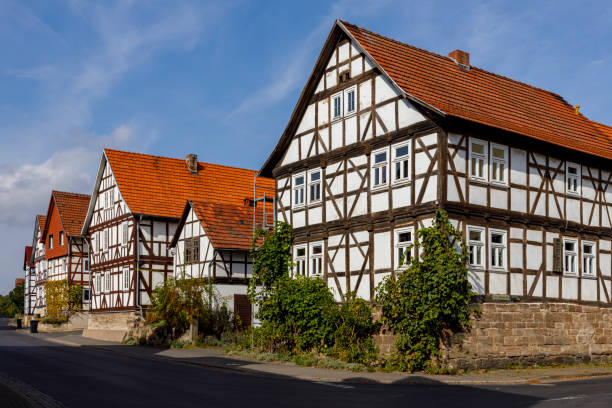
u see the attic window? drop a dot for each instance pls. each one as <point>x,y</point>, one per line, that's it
<point>344,76</point>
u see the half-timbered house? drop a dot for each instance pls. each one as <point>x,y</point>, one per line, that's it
<point>136,204</point>
<point>213,241</point>
<point>37,257</point>
<point>29,288</point>
<point>385,133</point>
<point>65,247</point>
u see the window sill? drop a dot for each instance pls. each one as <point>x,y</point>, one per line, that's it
<point>379,188</point>
<point>570,275</point>
<point>298,207</point>
<point>500,185</point>
<point>498,270</point>
<point>589,277</point>
<point>572,194</point>
<point>401,183</point>
<point>478,181</point>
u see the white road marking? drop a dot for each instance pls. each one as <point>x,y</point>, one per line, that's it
<point>335,384</point>
<point>570,397</point>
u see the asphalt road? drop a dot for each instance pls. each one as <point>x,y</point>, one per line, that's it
<point>81,377</point>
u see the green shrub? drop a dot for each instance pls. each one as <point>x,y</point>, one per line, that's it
<point>431,295</point>
<point>297,315</point>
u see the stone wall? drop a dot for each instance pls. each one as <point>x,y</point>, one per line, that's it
<point>508,334</point>
<point>111,326</point>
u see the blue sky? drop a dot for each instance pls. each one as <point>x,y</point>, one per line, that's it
<point>220,79</point>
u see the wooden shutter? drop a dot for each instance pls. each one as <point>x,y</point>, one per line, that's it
<point>557,255</point>
<point>242,309</point>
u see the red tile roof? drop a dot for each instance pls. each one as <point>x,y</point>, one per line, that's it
<point>42,219</point>
<point>161,186</point>
<point>72,209</point>
<point>228,226</point>
<point>483,97</point>
<point>27,255</point>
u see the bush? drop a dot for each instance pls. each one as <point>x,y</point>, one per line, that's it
<point>297,315</point>
<point>433,294</point>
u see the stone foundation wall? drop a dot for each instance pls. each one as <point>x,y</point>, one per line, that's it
<point>77,321</point>
<point>508,334</point>
<point>111,326</point>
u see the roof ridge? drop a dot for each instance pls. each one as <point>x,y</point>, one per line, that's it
<point>435,54</point>
<point>68,192</point>
<point>179,159</point>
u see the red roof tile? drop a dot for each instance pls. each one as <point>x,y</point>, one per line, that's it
<point>483,97</point>
<point>42,219</point>
<point>161,186</point>
<point>72,209</point>
<point>228,226</point>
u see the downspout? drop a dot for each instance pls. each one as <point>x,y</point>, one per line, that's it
<point>137,271</point>
<point>89,273</point>
<point>68,274</point>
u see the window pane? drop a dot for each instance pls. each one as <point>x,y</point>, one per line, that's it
<point>572,170</point>
<point>588,249</point>
<point>475,235</point>
<point>398,171</point>
<point>569,246</point>
<point>477,148</point>
<point>301,252</point>
<point>404,237</point>
<point>299,180</point>
<point>384,174</point>
<point>401,151</point>
<point>499,153</point>
<point>405,165</point>
<point>315,176</point>
<point>317,249</point>
<point>497,238</point>
<point>480,168</point>
<point>380,157</point>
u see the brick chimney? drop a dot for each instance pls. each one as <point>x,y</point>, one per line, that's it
<point>462,58</point>
<point>191,160</point>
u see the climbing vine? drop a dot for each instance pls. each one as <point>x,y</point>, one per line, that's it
<point>430,295</point>
<point>62,300</point>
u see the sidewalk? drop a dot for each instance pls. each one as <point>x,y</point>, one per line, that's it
<point>217,358</point>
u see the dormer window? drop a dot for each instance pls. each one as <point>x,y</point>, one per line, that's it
<point>344,76</point>
<point>51,241</point>
<point>61,235</point>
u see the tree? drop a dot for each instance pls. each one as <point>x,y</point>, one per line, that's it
<point>432,294</point>
<point>13,303</point>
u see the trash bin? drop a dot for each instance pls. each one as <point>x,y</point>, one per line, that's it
<point>19,324</point>
<point>34,326</point>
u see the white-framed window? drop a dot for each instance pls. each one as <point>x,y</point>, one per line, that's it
<point>107,284</point>
<point>85,265</point>
<point>64,266</point>
<point>401,162</point>
<point>589,262</point>
<point>380,168</point>
<point>299,259</point>
<point>336,105</point>
<point>478,159</point>
<point>106,239</point>
<point>499,166</point>
<point>124,233</point>
<point>61,235</point>
<point>350,101</point>
<point>475,240</point>
<point>299,187</point>
<point>570,256</point>
<point>314,186</point>
<point>497,248</point>
<point>86,295</point>
<point>572,175</point>
<point>99,284</point>
<point>316,259</point>
<point>403,241</point>
<point>51,241</point>
<point>126,278</point>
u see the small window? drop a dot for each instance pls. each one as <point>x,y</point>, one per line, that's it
<point>573,179</point>
<point>61,235</point>
<point>125,233</point>
<point>478,159</point>
<point>403,245</point>
<point>85,265</point>
<point>588,258</point>
<point>108,282</point>
<point>314,186</point>
<point>86,295</point>
<point>298,190</point>
<point>106,239</point>
<point>336,106</point>
<point>51,241</point>
<point>379,168</point>
<point>126,279</point>
<point>570,254</point>
<point>349,100</point>
<point>316,259</point>
<point>300,260</point>
<point>497,246</point>
<point>499,169</point>
<point>192,250</point>
<point>475,246</point>
<point>401,162</point>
